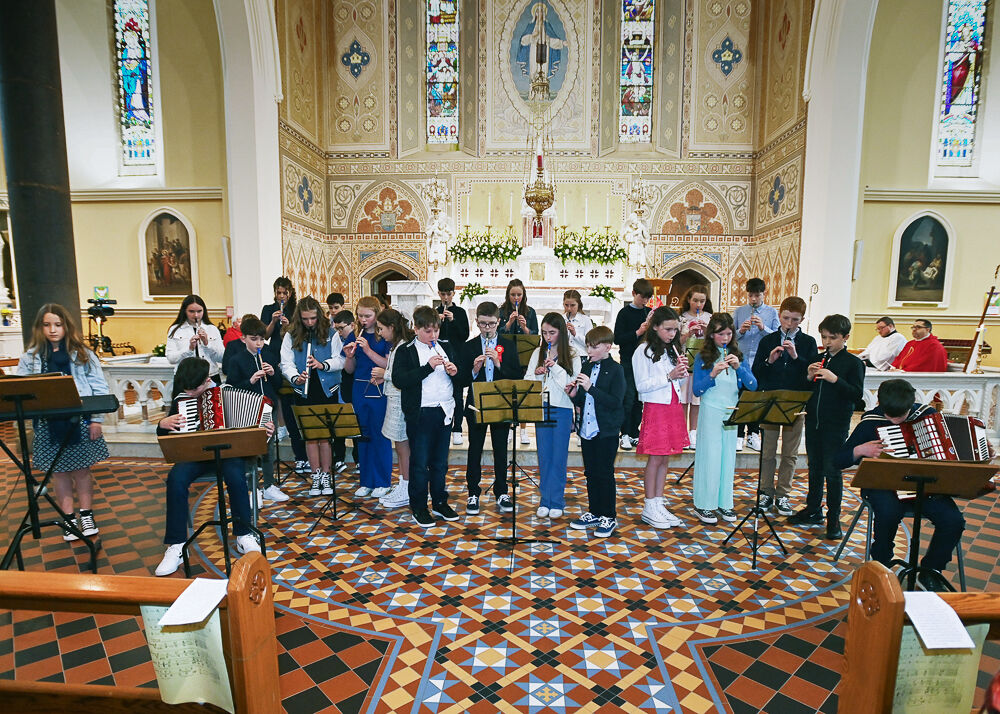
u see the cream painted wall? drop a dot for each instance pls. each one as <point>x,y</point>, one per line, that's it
<point>898,131</point>
<point>189,73</point>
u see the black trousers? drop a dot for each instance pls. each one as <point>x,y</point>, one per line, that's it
<point>298,445</point>
<point>888,511</point>
<point>474,464</point>
<point>822,445</point>
<point>459,395</point>
<point>599,467</point>
<point>633,407</point>
<point>429,441</point>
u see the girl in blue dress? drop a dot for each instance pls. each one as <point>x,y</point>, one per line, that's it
<point>365,350</point>
<point>719,372</point>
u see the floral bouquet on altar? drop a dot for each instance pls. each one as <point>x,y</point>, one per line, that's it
<point>603,291</point>
<point>486,247</point>
<point>586,247</point>
<point>471,291</point>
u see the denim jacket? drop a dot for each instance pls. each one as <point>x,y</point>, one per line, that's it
<point>89,376</point>
<point>330,353</point>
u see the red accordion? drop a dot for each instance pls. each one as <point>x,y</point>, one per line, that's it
<point>224,408</point>
<point>945,437</point>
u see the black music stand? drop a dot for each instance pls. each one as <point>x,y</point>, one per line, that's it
<point>517,402</point>
<point>208,446</point>
<point>326,421</point>
<point>926,477</point>
<point>285,391</point>
<point>778,407</point>
<point>32,396</point>
<point>526,345</point>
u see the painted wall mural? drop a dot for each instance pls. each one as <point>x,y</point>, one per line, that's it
<point>388,212</point>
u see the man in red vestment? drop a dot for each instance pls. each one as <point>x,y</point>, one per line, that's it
<point>924,353</point>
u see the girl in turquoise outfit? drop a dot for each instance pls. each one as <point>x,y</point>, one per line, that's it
<point>719,373</point>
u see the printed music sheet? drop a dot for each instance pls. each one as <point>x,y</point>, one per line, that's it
<point>931,682</point>
<point>188,660</point>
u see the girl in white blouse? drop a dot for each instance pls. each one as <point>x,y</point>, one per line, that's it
<point>193,335</point>
<point>555,364</point>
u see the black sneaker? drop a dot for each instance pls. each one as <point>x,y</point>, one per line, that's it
<point>766,501</point>
<point>504,504</point>
<point>932,582</point>
<point>784,506</point>
<point>472,506</point>
<point>423,518</point>
<point>807,518</point>
<point>445,512</point>
<point>68,535</point>
<point>87,524</point>
<point>706,516</point>
<point>727,514</point>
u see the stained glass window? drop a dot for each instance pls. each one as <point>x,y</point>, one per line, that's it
<point>960,80</point>
<point>133,59</point>
<point>442,71</point>
<point>636,83</point>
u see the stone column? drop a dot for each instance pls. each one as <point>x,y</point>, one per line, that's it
<point>34,145</point>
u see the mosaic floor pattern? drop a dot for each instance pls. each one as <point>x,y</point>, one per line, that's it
<point>374,614</point>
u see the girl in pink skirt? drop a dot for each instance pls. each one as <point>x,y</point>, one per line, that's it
<point>660,366</point>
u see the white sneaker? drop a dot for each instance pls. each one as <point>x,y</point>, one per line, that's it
<point>273,493</point>
<point>340,467</point>
<point>456,438</point>
<point>260,497</point>
<point>325,484</point>
<point>555,513</point>
<point>626,442</point>
<point>542,512</point>
<point>282,433</point>
<point>739,443</point>
<point>525,439</point>
<point>172,560</point>
<point>691,437</point>
<point>363,492</point>
<point>667,516</point>
<point>753,441</point>
<point>652,515</point>
<point>398,497</point>
<point>302,467</point>
<point>317,484</point>
<point>247,544</point>
<point>380,491</point>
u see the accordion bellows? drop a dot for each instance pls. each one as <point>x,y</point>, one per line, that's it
<point>945,437</point>
<point>224,408</point>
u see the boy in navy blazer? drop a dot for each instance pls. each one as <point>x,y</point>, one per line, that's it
<point>599,391</point>
<point>488,357</point>
<point>424,371</point>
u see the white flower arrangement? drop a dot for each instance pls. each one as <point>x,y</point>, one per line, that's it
<point>471,291</point>
<point>603,291</point>
<point>586,247</point>
<point>486,247</point>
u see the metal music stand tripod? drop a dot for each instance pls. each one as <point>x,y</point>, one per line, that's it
<point>208,446</point>
<point>31,397</point>
<point>517,402</point>
<point>927,477</point>
<point>779,407</point>
<point>326,421</point>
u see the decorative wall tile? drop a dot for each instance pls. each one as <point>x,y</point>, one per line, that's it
<point>785,36</point>
<point>779,194</point>
<point>343,195</point>
<point>668,92</point>
<point>302,193</point>
<point>412,41</point>
<point>301,33</point>
<point>722,80</point>
<point>389,209</point>
<point>737,197</point>
<point>690,211</point>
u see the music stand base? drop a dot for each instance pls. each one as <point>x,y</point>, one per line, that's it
<point>223,525</point>
<point>14,551</point>
<point>911,570</point>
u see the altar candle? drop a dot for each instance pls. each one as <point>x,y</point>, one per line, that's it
<point>468,198</point>
<point>489,210</point>
<point>607,210</point>
<point>510,210</point>
<point>586,211</point>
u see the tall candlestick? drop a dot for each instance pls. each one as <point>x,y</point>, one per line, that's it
<point>586,211</point>
<point>510,210</point>
<point>468,198</point>
<point>489,210</point>
<point>607,210</point>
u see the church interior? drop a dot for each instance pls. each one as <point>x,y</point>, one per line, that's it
<point>845,153</point>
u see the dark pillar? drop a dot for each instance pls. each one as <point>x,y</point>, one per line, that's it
<point>34,147</point>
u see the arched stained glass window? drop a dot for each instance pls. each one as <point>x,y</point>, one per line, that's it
<point>133,61</point>
<point>442,71</point>
<point>634,115</point>
<point>964,46</point>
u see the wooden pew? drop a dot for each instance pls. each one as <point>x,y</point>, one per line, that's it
<point>248,637</point>
<point>875,618</point>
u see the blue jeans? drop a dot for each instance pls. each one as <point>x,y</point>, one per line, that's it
<point>429,439</point>
<point>179,484</point>
<point>375,453</point>
<point>553,452</point>
<point>887,513</point>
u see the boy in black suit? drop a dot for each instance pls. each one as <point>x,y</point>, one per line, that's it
<point>255,368</point>
<point>424,371</point>
<point>599,391</point>
<point>454,329</point>
<point>837,379</point>
<point>488,357</point>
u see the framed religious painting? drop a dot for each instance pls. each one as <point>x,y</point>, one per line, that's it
<point>923,250</point>
<point>168,255</point>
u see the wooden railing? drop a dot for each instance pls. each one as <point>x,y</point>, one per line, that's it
<point>248,637</point>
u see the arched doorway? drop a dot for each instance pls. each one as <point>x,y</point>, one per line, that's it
<point>378,282</point>
<point>684,276</point>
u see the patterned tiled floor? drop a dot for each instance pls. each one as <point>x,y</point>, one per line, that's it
<point>374,614</point>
